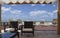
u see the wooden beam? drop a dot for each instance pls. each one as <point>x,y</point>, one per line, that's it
<point>58,30</point>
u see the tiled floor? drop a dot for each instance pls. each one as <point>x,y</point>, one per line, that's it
<point>41,34</point>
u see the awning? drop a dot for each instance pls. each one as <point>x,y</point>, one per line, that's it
<point>27,1</point>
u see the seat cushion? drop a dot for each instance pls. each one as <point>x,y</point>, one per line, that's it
<point>19,30</point>
<point>10,29</point>
<point>27,29</point>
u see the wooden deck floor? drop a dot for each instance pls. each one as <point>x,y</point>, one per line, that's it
<point>45,27</point>
<point>41,34</point>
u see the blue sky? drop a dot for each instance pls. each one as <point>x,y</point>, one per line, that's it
<point>35,12</point>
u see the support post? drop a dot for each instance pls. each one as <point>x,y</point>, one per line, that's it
<point>0,18</point>
<point>58,30</point>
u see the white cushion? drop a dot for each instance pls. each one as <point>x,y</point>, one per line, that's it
<point>27,29</point>
<point>2,31</point>
<point>19,30</point>
<point>10,29</point>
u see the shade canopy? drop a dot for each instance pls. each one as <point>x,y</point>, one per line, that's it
<point>28,1</point>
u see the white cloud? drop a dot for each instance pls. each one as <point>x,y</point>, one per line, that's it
<point>13,5</point>
<point>34,13</point>
<point>42,4</point>
<point>44,16</point>
<point>54,5</point>
<point>55,11</point>
<point>32,4</point>
<point>43,13</point>
<point>16,11</point>
<point>51,13</point>
<point>4,9</point>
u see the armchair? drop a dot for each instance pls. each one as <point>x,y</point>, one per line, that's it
<point>27,27</point>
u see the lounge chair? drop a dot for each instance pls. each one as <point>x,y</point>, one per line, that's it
<point>14,24</point>
<point>27,27</point>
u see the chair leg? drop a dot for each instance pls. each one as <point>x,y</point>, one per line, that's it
<point>21,33</point>
<point>33,34</point>
<point>18,34</point>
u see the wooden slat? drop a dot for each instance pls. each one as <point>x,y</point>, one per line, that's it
<point>58,30</point>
